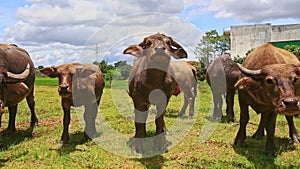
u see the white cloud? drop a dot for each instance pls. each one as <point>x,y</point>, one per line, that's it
<point>255,10</point>
<point>55,31</point>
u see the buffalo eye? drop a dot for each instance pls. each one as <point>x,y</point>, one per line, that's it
<point>147,44</point>
<point>295,80</point>
<point>167,41</point>
<point>269,80</point>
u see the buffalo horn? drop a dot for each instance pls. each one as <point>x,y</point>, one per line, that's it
<point>19,76</point>
<point>249,72</point>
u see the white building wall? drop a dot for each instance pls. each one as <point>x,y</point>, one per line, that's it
<point>247,37</point>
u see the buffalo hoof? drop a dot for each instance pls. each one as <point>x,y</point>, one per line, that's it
<point>239,142</point>
<point>64,139</point>
<point>213,119</point>
<point>230,119</point>
<point>296,138</point>
<point>34,123</point>
<point>86,137</point>
<point>10,130</point>
<point>258,135</point>
<point>160,143</point>
<point>271,153</point>
<point>137,147</point>
<point>181,115</point>
<point>271,149</point>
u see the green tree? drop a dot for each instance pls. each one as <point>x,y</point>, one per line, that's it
<point>211,46</point>
<point>293,48</point>
<point>124,69</point>
<point>112,74</point>
<point>104,66</point>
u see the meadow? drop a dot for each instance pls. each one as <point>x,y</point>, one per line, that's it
<point>199,143</point>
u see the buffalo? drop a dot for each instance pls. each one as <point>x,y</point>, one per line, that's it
<point>221,75</point>
<point>269,84</point>
<point>79,84</point>
<point>17,75</point>
<point>151,81</point>
<point>186,77</point>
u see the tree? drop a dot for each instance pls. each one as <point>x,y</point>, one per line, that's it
<point>103,66</point>
<point>124,69</point>
<point>211,46</point>
<point>294,49</point>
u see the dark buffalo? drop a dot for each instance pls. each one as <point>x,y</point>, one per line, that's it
<point>79,84</point>
<point>17,75</point>
<point>221,76</point>
<point>152,81</point>
<point>269,85</point>
<point>186,78</point>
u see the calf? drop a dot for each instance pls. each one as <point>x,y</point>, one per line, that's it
<point>152,81</point>
<point>79,84</point>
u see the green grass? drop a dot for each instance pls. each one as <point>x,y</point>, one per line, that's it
<point>43,150</point>
<point>46,81</point>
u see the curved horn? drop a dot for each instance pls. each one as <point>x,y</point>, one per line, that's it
<point>20,76</point>
<point>249,72</point>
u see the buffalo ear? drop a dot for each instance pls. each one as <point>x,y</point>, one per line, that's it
<point>50,71</point>
<point>134,50</point>
<point>177,50</point>
<point>247,83</point>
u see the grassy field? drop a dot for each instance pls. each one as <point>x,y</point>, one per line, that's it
<point>203,145</point>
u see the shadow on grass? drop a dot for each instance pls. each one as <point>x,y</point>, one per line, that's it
<point>155,162</point>
<point>254,151</point>
<point>9,139</point>
<point>75,139</point>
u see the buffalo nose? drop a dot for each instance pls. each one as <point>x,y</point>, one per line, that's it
<point>63,88</point>
<point>290,102</point>
<point>160,48</point>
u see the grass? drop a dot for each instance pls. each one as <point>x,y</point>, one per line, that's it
<point>205,145</point>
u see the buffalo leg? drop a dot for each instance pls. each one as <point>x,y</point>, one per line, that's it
<point>292,129</point>
<point>218,102</point>
<point>141,114</point>
<point>260,132</point>
<point>66,122</point>
<point>90,115</point>
<point>244,119</point>
<point>192,105</point>
<point>31,105</point>
<point>183,109</point>
<point>0,119</point>
<point>270,127</point>
<point>159,139</point>
<point>12,118</point>
<point>229,105</point>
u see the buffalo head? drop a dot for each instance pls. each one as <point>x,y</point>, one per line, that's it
<point>158,48</point>
<point>65,74</point>
<point>275,85</point>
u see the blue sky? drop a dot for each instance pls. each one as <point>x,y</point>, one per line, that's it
<point>62,31</point>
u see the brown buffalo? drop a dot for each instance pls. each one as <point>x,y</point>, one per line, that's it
<point>186,78</point>
<point>17,75</point>
<point>152,81</point>
<point>269,85</point>
<point>79,84</point>
<point>221,76</point>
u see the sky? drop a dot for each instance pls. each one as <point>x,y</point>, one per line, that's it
<point>64,31</point>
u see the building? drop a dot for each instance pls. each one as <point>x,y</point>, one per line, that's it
<point>246,37</point>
